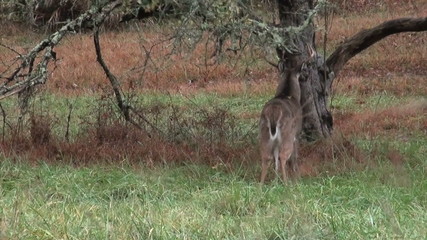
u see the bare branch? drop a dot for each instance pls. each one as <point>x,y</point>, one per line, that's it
<point>113,80</point>
<point>26,75</point>
<point>11,49</point>
<point>366,38</point>
<point>67,129</point>
<point>124,107</point>
<point>3,112</point>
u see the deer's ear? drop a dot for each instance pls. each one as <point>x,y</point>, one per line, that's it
<point>298,75</point>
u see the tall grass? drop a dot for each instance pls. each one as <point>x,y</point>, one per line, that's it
<point>198,202</point>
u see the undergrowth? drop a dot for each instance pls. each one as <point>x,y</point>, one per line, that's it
<point>167,133</point>
<point>207,129</point>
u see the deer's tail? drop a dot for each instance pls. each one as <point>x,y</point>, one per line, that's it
<point>274,128</point>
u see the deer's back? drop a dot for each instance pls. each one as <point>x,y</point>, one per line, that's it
<point>287,111</point>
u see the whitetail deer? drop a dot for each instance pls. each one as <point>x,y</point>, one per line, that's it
<point>280,125</point>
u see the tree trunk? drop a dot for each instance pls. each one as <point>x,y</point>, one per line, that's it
<point>317,120</point>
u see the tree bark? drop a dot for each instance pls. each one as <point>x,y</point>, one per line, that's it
<point>317,120</point>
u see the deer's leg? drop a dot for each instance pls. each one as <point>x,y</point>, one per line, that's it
<point>294,160</point>
<point>284,157</point>
<point>265,162</point>
<point>283,170</point>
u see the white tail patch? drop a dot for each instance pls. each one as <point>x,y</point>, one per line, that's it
<point>275,139</point>
<point>276,135</point>
<point>276,132</point>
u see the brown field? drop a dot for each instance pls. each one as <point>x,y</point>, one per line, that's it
<point>396,64</point>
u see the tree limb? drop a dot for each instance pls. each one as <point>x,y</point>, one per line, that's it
<point>26,75</point>
<point>113,80</point>
<point>366,38</point>
<point>124,107</point>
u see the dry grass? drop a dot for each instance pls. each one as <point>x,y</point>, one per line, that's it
<point>78,72</point>
<point>111,141</point>
<point>117,143</point>
<point>106,138</point>
<point>351,6</point>
<point>393,121</point>
<point>334,155</point>
<point>393,83</point>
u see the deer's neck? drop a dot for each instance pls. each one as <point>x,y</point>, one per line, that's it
<point>289,87</point>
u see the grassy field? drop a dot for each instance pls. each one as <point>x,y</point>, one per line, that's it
<point>200,178</point>
<point>198,202</point>
<point>383,197</point>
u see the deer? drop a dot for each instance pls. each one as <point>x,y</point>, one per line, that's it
<point>279,126</point>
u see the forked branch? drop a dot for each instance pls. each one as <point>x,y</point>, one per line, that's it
<point>366,38</point>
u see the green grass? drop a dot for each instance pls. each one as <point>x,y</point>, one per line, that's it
<point>414,148</point>
<point>86,108</point>
<point>198,202</point>
<point>349,102</point>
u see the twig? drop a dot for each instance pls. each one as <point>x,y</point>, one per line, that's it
<point>3,112</point>
<point>11,49</point>
<point>67,131</point>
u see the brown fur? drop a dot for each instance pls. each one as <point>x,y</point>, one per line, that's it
<point>282,114</point>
